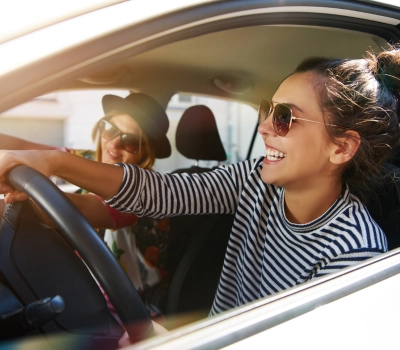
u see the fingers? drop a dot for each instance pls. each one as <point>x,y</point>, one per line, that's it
<point>35,159</point>
<point>15,196</point>
<point>4,188</point>
<point>10,159</point>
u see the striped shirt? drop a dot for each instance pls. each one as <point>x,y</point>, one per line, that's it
<point>266,253</point>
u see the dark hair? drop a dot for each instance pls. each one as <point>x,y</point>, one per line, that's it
<point>360,95</point>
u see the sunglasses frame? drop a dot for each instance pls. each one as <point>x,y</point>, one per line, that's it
<point>292,117</point>
<point>122,136</point>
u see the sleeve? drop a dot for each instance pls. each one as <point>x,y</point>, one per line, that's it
<point>156,195</point>
<point>120,219</point>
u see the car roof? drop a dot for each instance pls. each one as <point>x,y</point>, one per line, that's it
<point>20,17</point>
<point>181,49</point>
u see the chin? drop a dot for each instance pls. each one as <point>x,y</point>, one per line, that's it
<point>267,178</point>
<point>108,161</point>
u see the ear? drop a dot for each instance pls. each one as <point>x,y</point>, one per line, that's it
<point>345,148</point>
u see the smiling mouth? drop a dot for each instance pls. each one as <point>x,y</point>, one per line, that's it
<point>112,154</point>
<point>274,155</point>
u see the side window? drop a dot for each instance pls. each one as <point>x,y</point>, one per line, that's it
<point>235,121</point>
<point>66,119</point>
<point>63,118</point>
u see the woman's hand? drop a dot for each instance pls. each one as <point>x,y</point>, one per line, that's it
<point>39,160</point>
<point>99,178</point>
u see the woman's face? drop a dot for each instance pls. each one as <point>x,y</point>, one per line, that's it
<point>306,147</point>
<point>111,151</point>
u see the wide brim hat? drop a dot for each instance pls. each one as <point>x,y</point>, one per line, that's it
<point>150,116</point>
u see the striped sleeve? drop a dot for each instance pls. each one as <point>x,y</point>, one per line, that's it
<point>148,193</point>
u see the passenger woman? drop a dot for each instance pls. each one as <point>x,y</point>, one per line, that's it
<point>133,130</point>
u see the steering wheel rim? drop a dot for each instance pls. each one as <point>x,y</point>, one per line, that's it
<point>82,237</point>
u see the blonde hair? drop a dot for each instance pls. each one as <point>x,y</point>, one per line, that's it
<point>148,158</point>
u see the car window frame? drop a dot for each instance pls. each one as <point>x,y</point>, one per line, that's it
<point>259,316</point>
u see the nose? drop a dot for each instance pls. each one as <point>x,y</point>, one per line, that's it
<point>115,142</point>
<point>266,127</point>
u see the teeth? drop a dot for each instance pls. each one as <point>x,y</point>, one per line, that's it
<point>274,154</point>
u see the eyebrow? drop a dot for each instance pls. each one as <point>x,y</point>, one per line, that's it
<point>290,105</point>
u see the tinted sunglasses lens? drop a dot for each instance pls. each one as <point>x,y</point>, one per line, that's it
<point>281,119</point>
<point>130,143</point>
<point>264,111</point>
<point>108,131</point>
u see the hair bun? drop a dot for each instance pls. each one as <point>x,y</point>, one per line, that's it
<point>387,70</point>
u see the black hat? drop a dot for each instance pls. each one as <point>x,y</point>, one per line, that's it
<point>150,116</point>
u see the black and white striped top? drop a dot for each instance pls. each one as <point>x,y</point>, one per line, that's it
<point>266,253</point>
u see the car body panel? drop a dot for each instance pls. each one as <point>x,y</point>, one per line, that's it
<point>351,293</point>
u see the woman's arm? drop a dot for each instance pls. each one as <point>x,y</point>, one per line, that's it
<point>98,213</point>
<point>148,193</point>
<point>92,207</point>
<point>99,178</point>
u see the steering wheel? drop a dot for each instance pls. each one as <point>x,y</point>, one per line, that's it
<point>84,239</point>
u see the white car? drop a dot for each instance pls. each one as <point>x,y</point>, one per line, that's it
<point>232,50</point>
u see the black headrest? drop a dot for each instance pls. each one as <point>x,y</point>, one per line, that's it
<point>197,135</point>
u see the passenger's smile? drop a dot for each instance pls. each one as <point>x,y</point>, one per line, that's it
<point>273,154</point>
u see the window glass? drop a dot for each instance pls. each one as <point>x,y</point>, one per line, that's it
<point>185,98</point>
<point>236,123</point>
<point>66,119</point>
<point>63,119</point>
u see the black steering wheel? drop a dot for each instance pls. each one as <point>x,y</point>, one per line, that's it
<point>76,230</point>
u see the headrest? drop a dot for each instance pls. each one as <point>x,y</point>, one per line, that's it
<point>197,135</point>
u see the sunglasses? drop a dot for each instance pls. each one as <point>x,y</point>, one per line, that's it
<point>129,142</point>
<point>282,117</point>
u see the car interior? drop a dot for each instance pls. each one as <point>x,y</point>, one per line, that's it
<point>240,60</point>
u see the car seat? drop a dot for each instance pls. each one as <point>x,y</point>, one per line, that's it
<point>197,242</point>
<point>385,208</point>
<point>197,138</point>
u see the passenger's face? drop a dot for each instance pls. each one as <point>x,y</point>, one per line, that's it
<point>112,152</point>
<point>306,147</point>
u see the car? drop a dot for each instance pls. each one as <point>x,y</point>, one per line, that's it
<point>234,52</point>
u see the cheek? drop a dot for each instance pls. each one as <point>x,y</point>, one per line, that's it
<point>131,158</point>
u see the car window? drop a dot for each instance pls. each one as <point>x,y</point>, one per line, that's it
<point>62,119</point>
<point>66,119</point>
